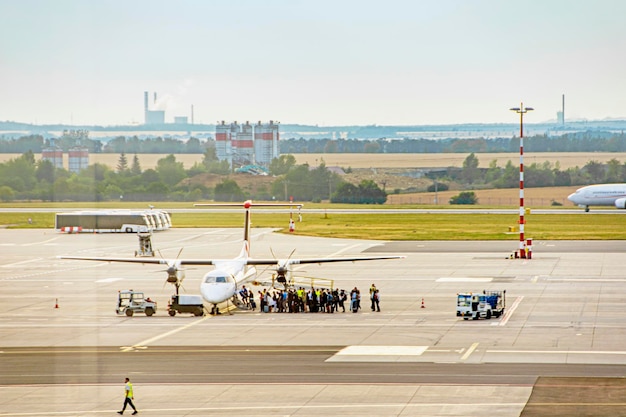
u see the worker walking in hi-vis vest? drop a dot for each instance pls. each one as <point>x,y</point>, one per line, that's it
<point>128,397</point>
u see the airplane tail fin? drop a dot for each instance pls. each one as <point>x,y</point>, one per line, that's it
<point>245,251</point>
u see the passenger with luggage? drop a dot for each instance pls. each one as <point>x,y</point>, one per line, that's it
<point>375,301</point>
<point>343,297</point>
<point>355,298</point>
<point>251,300</point>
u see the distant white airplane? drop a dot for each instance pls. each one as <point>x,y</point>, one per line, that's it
<point>222,283</point>
<point>600,195</point>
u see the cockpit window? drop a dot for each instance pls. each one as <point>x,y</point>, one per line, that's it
<point>210,280</point>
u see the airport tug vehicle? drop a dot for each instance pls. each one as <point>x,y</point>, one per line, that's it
<point>480,305</point>
<point>130,302</point>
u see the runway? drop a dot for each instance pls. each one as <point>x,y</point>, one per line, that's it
<point>564,319</point>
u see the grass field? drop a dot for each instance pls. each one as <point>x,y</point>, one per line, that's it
<point>443,160</point>
<point>499,197</point>
<point>412,160</point>
<point>587,226</point>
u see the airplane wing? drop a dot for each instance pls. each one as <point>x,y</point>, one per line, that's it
<point>249,261</point>
<point>285,262</point>
<point>144,260</point>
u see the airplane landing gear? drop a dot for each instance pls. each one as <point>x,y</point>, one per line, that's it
<point>215,310</point>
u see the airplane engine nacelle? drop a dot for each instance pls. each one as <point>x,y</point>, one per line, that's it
<point>620,203</point>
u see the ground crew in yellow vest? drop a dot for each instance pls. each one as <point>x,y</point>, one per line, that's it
<point>128,397</point>
<point>372,292</point>
<point>300,293</point>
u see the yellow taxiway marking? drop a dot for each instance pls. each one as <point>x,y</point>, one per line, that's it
<point>143,343</point>
<point>469,351</point>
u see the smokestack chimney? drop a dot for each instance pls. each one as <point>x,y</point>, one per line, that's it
<point>145,100</point>
<point>563,109</point>
<point>155,97</point>
<point>192,114</point>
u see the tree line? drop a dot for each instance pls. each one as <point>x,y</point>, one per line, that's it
<point>569,142</point>
<point>128,145</point>
<point>24,178</point>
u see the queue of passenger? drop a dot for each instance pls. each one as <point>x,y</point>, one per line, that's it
<point>315,300</point>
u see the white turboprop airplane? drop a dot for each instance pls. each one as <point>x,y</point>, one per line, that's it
<point>600,195</point>
<point>221,284</point>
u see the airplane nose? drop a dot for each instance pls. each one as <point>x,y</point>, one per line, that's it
<point>572,197</point>
<point>216,293</point>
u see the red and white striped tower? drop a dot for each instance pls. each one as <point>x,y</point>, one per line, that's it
<point>521,110</point>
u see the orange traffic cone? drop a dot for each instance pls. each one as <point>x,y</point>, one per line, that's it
<point>56,305</point>
<point>423,306</point>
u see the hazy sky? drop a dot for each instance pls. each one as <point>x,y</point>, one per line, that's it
<point>324,62</point>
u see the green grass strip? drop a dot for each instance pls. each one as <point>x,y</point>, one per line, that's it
<point>583,226</point>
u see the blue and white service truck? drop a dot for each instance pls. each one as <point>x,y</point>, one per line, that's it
<point>483,305</point>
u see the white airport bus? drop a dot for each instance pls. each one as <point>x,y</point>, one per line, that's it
<point>111,221</point>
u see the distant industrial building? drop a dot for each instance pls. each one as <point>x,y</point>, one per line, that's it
<point>247,144</point>
<point>53,154</point>
<point>78,158</point>
<point>560,115</point>
<point>152,116</point>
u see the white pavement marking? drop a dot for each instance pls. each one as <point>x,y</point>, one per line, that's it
<point>509,312</point>
<point>192,237</point>
<point>383,350</point>
<point>277,408</point>
<point>107,280</point>
<point>561,352</point>
<point>469,351</point>
<point>463,279</point>
<point>339,252</point>
<point>22,262</point>
<point>378,354</point>
<point>40,243</point>
<point>588,279</point>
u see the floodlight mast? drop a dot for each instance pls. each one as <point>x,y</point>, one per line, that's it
<point>521,110</point>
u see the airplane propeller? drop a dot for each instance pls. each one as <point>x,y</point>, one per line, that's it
<point>284,274</point>
<point>282,268</point>
<point>175,273</point>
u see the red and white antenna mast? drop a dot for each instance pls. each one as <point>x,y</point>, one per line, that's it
<point>521,110</point>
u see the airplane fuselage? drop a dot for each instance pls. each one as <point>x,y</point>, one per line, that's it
<point>600,195</point>
<point>221,284</point>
